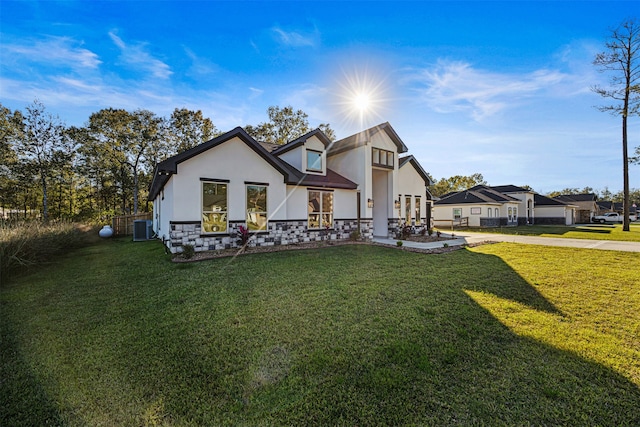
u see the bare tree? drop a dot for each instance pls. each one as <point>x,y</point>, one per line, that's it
<point>622,60</point>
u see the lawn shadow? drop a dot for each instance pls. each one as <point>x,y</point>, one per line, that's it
<point>23,399</point>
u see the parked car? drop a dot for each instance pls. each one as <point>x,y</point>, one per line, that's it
<point>611,217</point>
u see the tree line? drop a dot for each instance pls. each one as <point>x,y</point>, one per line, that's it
<point>52,171</point>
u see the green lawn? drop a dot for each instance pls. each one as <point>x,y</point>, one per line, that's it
<point>588,231</point>
<point>500,334</point>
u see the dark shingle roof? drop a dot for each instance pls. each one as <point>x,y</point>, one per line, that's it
<point>510,189</point>
<point>474,195</point>
<point>586,197</point>
<point>301,140</point>
<point>163,170</point>
<point>540,200</point>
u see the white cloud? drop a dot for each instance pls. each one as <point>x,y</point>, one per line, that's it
<point>296,39</point>
<point>458,87</point>
<point>136,57</point>
<point>56,51</point>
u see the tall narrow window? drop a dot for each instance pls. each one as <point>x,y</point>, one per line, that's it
<point>509,214</point>
<point>320,210</point>
<point>457,213</point>
<point>418,212</point>
<point>214,207</point>
<point>256,207</point>
<point>407,210</point>
<point>314,161</point>
<point>497,213</point>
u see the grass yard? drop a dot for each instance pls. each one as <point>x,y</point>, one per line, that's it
<point>587,231</point>
<point>501,334</point>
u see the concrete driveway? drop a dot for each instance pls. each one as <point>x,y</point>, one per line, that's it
<point>467,237</point>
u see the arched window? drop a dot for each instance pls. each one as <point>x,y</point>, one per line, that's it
<point>497,213</point>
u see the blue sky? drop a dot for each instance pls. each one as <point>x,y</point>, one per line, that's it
<point>500,88</point>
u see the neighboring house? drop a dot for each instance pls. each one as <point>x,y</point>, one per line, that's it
<point>607,206</point>
<point>586,205</point>
<point>308,189</point>
<point>550,211</point>
<point>526,211</point>
<point>502,205</point>
<point>479,206</point>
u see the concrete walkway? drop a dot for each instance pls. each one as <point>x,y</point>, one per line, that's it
<point>467,237</point>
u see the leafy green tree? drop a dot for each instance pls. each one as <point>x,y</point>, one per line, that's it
<point>284,125</point>
<point>187,128</point>
<point>456,183</point>
<point>43,147</point>
<point>622,60</point>
<point>10,130</point>
<point>121,139</point>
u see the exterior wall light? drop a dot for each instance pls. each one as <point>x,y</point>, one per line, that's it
<point>369,203</point>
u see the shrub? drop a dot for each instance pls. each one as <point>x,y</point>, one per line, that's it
<point>243,233</point>
<point>24,244</point>
<point>445,245</point>
<point>355,235</point>
<point>188,251</point>
<point>430,231</point>
<point>399,243</point>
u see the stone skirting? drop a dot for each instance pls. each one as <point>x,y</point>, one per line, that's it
<point>277,233</point>
<point>394,224</point>
<point>550,220</point>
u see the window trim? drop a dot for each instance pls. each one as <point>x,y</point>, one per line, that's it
<point>321,212</point>
<point>308,166</point>
<point>204,181</point>
<point>386,153</point>
<point>266,202</point>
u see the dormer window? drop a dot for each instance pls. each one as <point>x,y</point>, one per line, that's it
<point>314,161</point>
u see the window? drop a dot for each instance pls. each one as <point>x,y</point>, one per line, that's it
<point>256,207</point>
<point>509,214</point>
<point>457,213</point>
<point>515,214</point>
<point>214,207</point>
<point>476,211</point>
<point>407,209</point>
<point>497,213</point>
<point>382,158</point>
<point>314,160</point>
<point>489,212</point>
<point>320,209</point>
<point>418,213</point>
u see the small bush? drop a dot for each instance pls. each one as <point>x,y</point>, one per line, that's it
<point>445,245</point>
<point>355,235</point>
<point>430,231</point>
<point>399,243</point>
<point>188,251</point>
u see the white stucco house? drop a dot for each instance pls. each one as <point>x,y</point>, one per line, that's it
<point>502,205</point>
<point>554,212</point>
<point>308,189</point>
<point>479,206</point>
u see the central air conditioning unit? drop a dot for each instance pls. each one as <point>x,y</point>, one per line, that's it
<point>142,230</point>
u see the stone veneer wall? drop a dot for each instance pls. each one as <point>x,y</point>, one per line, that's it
<point>393,226</point>
<point>550,221</point>
<point>278,233</point>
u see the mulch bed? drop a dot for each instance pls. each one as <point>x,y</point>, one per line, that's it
<point>204,255</point>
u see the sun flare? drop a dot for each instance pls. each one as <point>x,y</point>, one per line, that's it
<point>362,95</point>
